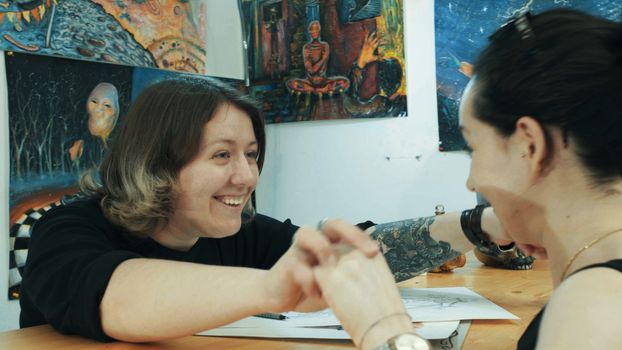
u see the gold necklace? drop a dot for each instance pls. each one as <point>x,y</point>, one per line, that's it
<point>598,239</point>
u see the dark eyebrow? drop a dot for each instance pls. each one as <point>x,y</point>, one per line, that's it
<point>230,142</point>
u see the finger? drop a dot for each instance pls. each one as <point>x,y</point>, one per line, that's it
<point>314,243</point>
<point>311,305</point>
<point>303,276</point>
<point>340,231</point>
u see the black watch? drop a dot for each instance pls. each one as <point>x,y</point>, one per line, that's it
<point>405,341</point>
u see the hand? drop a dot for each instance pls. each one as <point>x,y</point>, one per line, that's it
<point>362,291</point>
<point>291,281</point>
<point>368,51</point>
<point>493,227</point>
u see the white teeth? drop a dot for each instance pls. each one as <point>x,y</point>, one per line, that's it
<point>232,201</point>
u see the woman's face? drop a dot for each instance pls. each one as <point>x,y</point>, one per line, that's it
<point>214,187</point>
<point>498,169</point>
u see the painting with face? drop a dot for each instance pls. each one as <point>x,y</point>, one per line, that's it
<point>462,30</point>
<point>62,114</point>
<point>314,60</point>
<point>102,107</point>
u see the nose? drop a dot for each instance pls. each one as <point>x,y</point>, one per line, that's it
<point>244,172</point>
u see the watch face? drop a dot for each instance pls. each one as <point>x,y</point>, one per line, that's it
<point>409,341</point>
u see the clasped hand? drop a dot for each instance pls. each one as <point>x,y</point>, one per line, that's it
<point>295,286</point>
<point>340,267</point>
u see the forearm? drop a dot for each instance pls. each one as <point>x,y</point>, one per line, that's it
<point>149,300</point>
<point>414,246</point>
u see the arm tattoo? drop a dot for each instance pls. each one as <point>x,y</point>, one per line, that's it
<point>409,249</point>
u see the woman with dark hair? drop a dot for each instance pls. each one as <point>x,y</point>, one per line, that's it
<point>542,118</point>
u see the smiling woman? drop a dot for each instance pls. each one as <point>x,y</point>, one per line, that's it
<point>157,246</point>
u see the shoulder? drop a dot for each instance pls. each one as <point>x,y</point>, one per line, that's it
<point>85,210</point>
<point>71,220</point>
<point>584,311</point>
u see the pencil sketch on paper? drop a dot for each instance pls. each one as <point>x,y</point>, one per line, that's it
<point>433,300</point>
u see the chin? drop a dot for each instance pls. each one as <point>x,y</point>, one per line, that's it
<point>228,230</point>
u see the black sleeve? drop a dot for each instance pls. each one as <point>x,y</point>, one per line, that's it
<point>365,225</point>
<point>70,261</point>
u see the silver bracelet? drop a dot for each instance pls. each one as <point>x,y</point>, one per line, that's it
<point>375,323</point>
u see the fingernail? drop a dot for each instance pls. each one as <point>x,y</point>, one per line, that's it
<point>321,223</point>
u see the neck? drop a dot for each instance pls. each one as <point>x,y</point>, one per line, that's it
<point>577,217</point>
<point>173,237</point>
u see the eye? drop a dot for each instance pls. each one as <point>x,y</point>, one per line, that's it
<point>252,155</point>
<point>222,155</point>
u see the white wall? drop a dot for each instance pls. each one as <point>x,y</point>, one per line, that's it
<point>334,168</point>
<point>340,168</point>
<point>9,310</point>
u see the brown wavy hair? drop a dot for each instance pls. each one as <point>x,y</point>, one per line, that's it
<point>159,135</point>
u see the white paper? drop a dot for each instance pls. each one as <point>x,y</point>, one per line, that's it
<point>267,328</point>
<point>278,332</point>
<point>424,305</point>
<point>457,303</point>
<point>439,310</point>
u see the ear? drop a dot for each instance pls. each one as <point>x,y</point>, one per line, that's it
<point>533,144</point>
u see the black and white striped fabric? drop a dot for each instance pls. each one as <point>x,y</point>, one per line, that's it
<point>19,238</point>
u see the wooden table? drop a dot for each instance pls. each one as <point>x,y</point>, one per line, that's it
<point>521,292</point>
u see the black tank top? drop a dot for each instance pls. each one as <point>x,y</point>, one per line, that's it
<point>529,339</point>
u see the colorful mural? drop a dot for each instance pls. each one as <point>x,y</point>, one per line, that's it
<point>148,33</point>
<point>462,30</point>
<point>326,59</point>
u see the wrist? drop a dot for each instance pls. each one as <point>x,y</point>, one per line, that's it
<point>471,223</point>
<point>383,329</point>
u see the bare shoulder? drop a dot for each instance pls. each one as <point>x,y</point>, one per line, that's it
<point>584,312</point>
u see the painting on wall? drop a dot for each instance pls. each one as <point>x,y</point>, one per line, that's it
<point>326,59</point>
<point>62,116</point>
<point>462,30</point>
<point>169,35</point>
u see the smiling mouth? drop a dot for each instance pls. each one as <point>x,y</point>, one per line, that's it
<point>231,201</point>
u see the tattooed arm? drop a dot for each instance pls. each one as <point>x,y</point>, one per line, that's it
<point>414,246</point>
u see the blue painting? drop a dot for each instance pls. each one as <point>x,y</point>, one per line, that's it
<point>462,30</point>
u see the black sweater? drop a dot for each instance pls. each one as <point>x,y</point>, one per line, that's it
<point>74,250</point>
